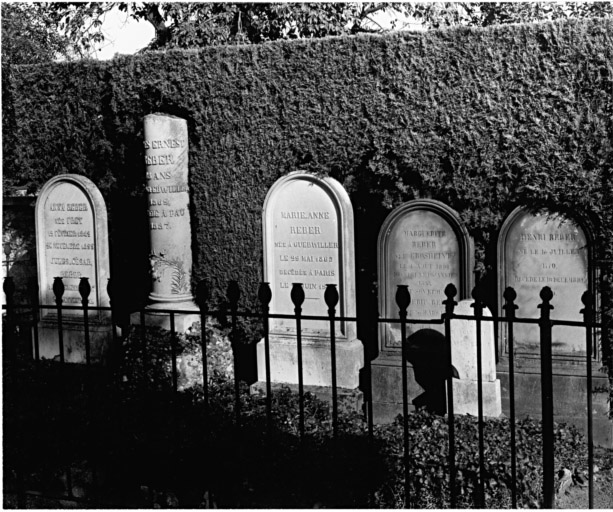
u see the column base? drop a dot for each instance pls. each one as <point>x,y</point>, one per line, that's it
<point>156,318</point>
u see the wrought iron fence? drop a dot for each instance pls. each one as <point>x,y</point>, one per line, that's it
<point>28,316</point>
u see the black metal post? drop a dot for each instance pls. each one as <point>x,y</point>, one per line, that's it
<point>588,318</point>
<point>202,297</point>
<point>403,300</point>
<point>58,291</point>
<point>331,297</point>
<point>234,295</point>
<point>85,289</point>
<point>450,292</point>
<point>478,307</point>
<point>117,351</point>
<point>33,286</point>
<point>173,351</point>
<point>9,291</point>
<point>510,295</point>
<point>547,397</point>
<point>297,296</point>
<point>265,296</point>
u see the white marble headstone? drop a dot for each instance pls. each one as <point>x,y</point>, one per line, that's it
<point>71,243</point>
<point>308,239</point>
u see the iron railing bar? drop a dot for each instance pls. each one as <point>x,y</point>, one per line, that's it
<point>298,317</point>
<point>450,292</point>
<point>510,295</point>
<point>587,312</point>
<point>547,398</point>
<point>143,344</point>
<point>568,323</point>
<point>333,370</point>
<point>478,315</point>
<point>173,352</point>
<point>403,299</point>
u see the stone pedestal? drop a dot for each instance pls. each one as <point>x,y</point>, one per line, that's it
<point>317,362</point>
<point>166,161</point>
<point>464,360</point>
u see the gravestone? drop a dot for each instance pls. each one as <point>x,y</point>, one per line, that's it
<point>424,245</point>
<point>547,249</point>
<point>170,259</point>
<point>464,360</point>
<point>544,249</point>
<point>308,238</point>
<point>71,243</point>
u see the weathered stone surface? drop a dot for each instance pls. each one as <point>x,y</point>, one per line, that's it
<point>464,360</point>
<point>464,344</point>
<point>71,243</point>
<point>569,401</point>
<point>308,239</point>
<point>537,250</point>
<point>166,162</point>
<point>421,244</point>
<point>166,152</point>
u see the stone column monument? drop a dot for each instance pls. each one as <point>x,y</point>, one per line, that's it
<point>166,157</point>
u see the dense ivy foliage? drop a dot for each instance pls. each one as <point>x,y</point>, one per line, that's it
<point>481,119</point>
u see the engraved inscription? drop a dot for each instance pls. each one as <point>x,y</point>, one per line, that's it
<point>70,250</point>
<point>547,250</point>
<point>423,253</point>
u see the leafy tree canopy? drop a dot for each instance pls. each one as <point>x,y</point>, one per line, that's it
<point>40,31</point>
<point>30,34</point>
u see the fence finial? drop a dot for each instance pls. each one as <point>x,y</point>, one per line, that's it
<point>264,294</point>
<point>478,305</point>
<point>509,296</point>
<point>297,294</point>
<point>546,295</point>
<point>9,287</point>
<point>403,297</point>
<point>331,296</point>
<point>450,292</point>
<point>588,301</point>
<point>84,289</point>
<point>58,289</point>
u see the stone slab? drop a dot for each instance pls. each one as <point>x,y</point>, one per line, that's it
<point>100,337</point>
<point>308,238</point>
<point>71,243</point>
<point>545,249</point>
<point>466,394</point>
<point>166,161</point>
<point>316,361</point>
<point>464,344</point>
<point>421,244</point>
<point>570,401</point>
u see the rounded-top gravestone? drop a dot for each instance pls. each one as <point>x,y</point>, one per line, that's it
<point>545,249</point>
<point>308,239</point>
<point>72,243</point>
<point>422,244</point>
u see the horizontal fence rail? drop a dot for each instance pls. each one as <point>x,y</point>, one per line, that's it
<point>14,317</point>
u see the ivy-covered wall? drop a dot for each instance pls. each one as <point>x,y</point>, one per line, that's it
<point>481,119</point>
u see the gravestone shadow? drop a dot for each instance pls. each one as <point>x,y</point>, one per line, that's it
<point>428,354</point>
